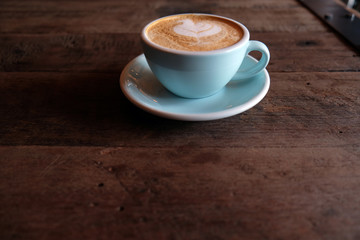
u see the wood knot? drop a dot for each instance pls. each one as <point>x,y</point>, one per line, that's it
<point>307,43</point>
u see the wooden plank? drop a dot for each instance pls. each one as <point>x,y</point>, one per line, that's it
<point>68,53</point>
<point>111,52</point>
<point>180,193</point>
<point>118,16</point>
<point>301,109</point>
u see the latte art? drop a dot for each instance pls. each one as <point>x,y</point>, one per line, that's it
<point>191,32</point>
<point>198,30</point>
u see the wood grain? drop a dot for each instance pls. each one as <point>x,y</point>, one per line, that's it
<point>111,52</point>
<point>79,161</point>
<point>128,17</point>
<point>188,193</point>
<point>301,109</point>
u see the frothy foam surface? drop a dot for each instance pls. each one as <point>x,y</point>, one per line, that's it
<point>192,32</point>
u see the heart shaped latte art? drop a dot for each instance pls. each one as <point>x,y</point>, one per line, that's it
<point>200,29</point>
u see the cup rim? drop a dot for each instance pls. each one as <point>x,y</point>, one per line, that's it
<point>240,43</point>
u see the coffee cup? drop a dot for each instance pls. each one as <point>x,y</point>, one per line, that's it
<point>195,55</point>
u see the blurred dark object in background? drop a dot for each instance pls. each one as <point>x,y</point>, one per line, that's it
<point>341,15</point>
<point>352,4</point>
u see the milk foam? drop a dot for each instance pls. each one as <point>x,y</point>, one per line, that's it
<point>191,32</point>
<point>197,30</point>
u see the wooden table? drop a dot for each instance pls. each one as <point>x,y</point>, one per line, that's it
<point>79,161</point>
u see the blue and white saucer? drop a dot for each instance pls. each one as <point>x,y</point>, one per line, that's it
<point>142,88</point>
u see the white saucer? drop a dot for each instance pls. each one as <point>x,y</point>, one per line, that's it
<point>142,88</point>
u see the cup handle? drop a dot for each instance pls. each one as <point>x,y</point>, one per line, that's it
<point>265,57</point>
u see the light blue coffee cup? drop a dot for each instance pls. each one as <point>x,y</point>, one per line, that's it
<point>201,74</point>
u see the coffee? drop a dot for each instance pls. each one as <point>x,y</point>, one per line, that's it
<point>194,32</point>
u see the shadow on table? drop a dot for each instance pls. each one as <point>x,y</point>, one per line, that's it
<point>78,109</point>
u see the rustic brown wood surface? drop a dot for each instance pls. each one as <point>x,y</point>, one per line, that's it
<point>79,161</point>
